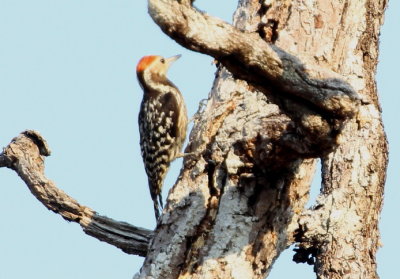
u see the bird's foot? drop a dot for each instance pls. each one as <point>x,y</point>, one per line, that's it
<point>183,155</point>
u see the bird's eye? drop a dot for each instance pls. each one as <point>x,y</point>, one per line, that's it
<point>162,60</point>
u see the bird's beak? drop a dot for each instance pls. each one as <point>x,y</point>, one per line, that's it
<point>172,59</point>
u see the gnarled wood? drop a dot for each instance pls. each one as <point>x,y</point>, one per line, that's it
<point>237,207</point>
<point>250,57</point>
<point>25,155</point>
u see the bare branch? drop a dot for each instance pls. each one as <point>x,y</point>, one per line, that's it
<point>251,58</point>
<point>25,155</point>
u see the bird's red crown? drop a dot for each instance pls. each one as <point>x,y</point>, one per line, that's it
<point>145,62</point>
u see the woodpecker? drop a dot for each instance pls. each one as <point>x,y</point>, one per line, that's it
<point>162,122</point>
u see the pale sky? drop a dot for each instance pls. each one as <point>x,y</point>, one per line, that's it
<point>67,69</point>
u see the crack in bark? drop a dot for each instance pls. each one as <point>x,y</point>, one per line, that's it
<point>196,242</point>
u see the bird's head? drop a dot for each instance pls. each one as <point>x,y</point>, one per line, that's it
<point>154,64</point>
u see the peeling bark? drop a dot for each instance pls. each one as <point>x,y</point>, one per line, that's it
<point>239,205</point>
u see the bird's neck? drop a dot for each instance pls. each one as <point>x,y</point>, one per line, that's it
<point>155,82</point>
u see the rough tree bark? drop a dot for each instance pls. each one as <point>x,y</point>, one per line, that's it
<point>295,82</point>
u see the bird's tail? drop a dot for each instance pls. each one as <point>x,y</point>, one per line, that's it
<point>155,187</point>
<point>158,204</point>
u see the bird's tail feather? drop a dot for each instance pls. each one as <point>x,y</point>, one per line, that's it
<point>158,205</point>
<point>156,209</point>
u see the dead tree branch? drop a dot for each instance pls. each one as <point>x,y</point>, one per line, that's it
<point>248,56</point>
<point>25,155</point>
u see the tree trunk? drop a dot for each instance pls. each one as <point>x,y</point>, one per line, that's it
<point>239,204</point>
